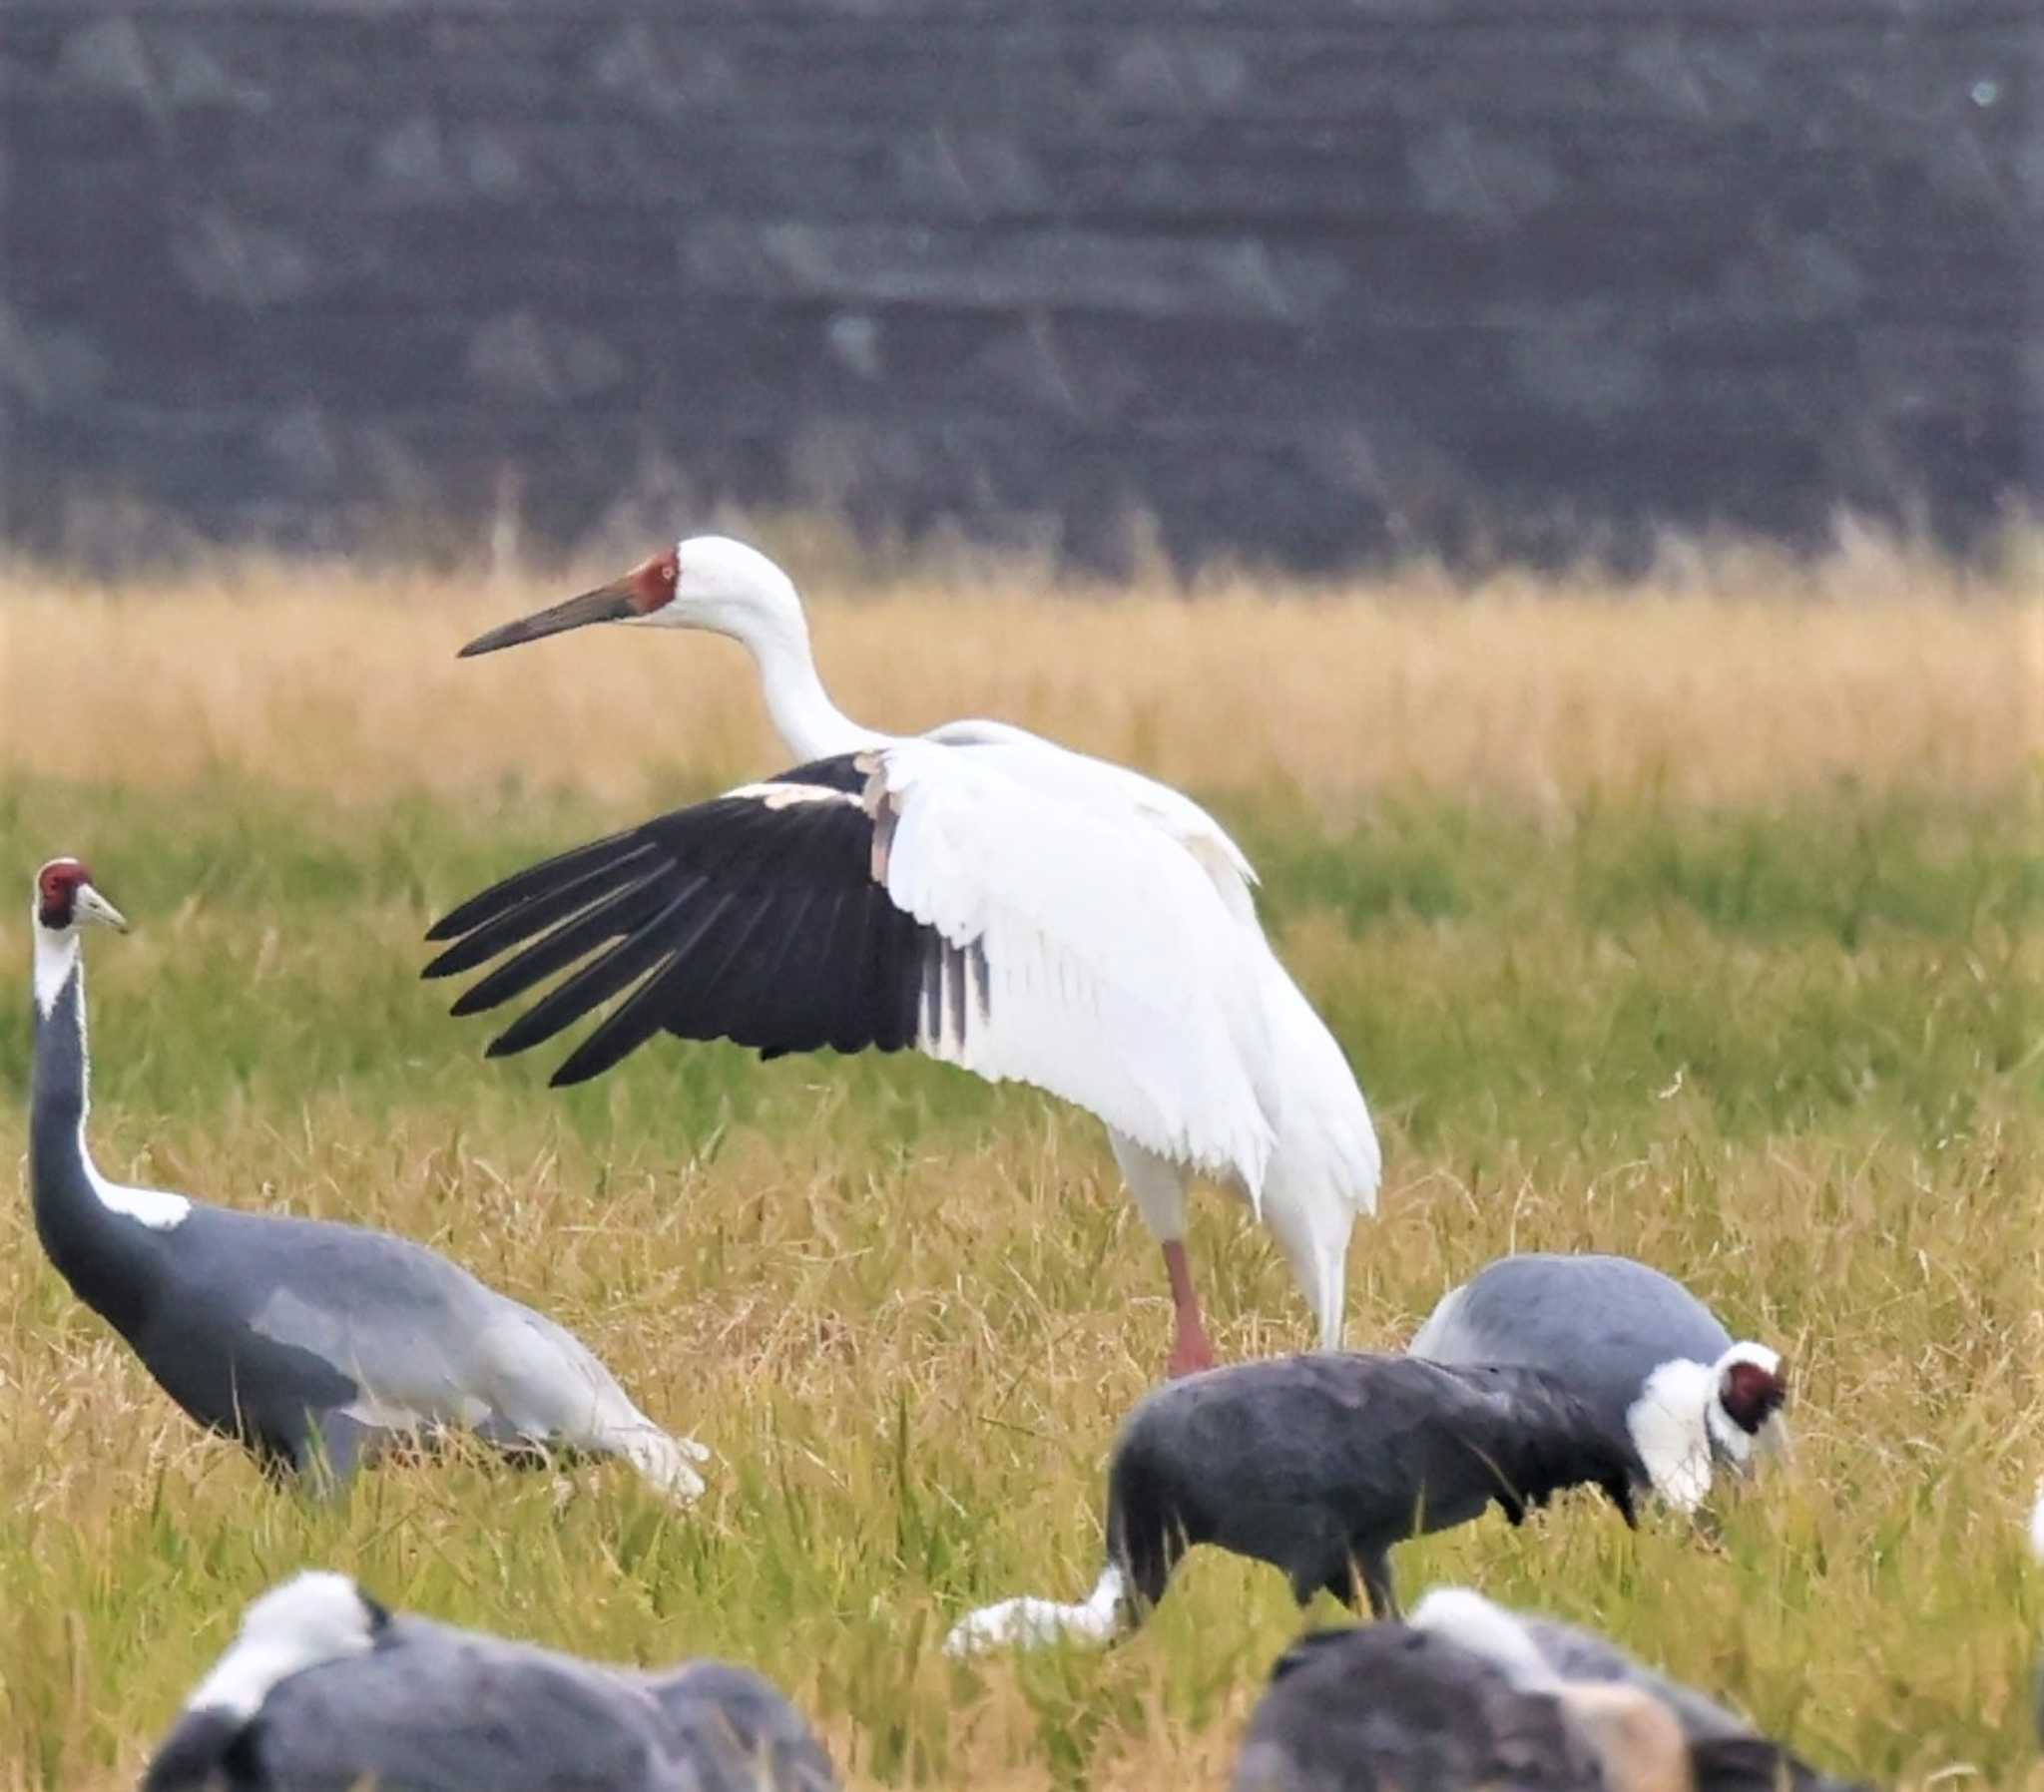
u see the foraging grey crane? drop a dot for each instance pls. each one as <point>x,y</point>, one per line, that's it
<point>978,893</point>
<point>1725,1753</point>
<point>313,1343</point>
<point>1317,1465</point>
<point>1394,1708</point>
<point>324,1690</point>
<point>1635,1343</point>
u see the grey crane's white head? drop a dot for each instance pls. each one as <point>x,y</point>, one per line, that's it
<point>1690,1416</point>
<point>311,1620</point>
<point>1750,1387</point>
<point>708,582</point>
<point>64,900</point>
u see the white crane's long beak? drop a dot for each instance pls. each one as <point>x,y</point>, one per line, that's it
<point>640,592</point>
<point>92,906</point>
<point>611,602</point>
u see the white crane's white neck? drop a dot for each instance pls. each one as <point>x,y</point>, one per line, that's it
<point>805,717</point>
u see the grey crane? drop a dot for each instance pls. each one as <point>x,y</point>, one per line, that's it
<point>1317,1465</point>
<point>1725,1753</point>
<point>313,1343</point>
<point>1394,1708</point>
<point>324,1690</point>
<point>1637,1345</point>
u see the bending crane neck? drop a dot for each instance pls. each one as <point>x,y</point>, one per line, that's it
<point>803,715</point>
<point>104,1256</point>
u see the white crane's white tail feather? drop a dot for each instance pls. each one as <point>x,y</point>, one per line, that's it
<point>1029,1623</point>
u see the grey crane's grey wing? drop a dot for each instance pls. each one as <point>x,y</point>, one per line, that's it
<point>1446,1336</point>
<point>730,1730</point>
<point>436,1710</point>
<point>1572,1311</point>
<point>753,917</point>
<point>1600,1325</point>
<point>1578,1654</point>
<point>400,1321</point>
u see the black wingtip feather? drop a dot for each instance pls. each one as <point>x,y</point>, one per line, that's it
<point>775,933</point>
<point>475,1000</point>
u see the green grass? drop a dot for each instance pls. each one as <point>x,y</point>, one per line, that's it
<point>1791,1053</point>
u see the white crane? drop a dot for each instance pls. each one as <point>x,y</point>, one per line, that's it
<point>978,893</point>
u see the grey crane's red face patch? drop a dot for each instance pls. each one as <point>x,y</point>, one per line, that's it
<point>1753,1395</point>
<point>57,887</point>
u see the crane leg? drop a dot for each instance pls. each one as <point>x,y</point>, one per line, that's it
<point>1159,1186</point>
<point>1192,1350</point>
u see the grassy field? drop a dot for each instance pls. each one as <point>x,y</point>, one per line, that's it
<point>1699,921</point>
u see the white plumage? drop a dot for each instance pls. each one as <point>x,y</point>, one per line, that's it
<point>1054,919</point>
<point>1114,976</point>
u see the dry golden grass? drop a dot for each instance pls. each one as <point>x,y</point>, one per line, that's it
<point>1764,1014</point>
<point>1720,679</point>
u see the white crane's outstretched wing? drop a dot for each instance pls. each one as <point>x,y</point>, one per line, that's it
<point>909,896</point>
<point>1105,789</point>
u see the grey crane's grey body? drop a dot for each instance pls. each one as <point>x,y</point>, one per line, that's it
<point>1725,1753</point>
<point>311,1342</point>
<point>1636,1344</point>
<point>324,1690</point>
<point>1395,1709</point>
<point>1387,1708</point>
<point>1319,1465</point>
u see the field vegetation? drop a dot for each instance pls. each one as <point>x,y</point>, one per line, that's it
<point>1696,919</point>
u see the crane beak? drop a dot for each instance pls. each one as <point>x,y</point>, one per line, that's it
<point>92,906</point>
<point>612,602</point>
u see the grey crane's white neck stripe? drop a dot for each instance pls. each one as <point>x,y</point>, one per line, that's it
<point>1670,1431</point>
<point>56,958</point>
<point>59,964</point>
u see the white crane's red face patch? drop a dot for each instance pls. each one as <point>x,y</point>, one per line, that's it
<point>57,887</point>
<point>652,586</point>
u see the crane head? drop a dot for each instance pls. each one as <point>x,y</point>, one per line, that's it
<point>65,897</point>
<point>1751,1387</point>
<point>707,582</point>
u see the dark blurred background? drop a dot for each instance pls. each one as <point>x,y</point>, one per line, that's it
<point>1310,281</point>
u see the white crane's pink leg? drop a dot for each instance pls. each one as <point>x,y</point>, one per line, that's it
<point>1159,1186</point>
<point>1192,1350</point>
